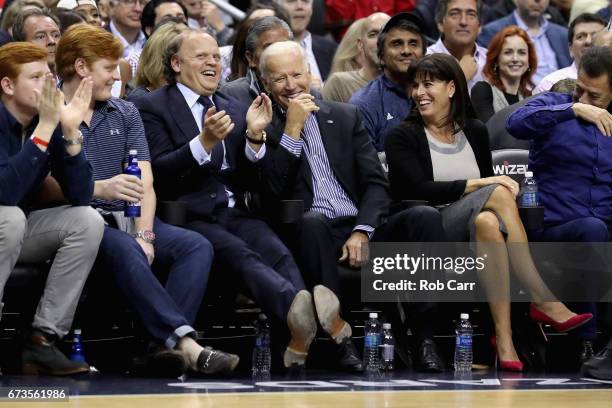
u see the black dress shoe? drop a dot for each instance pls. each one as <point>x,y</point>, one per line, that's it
<point>586,351</point>
<point>429,360</point>
<point>216,362</point>
<point>41,356</point>
<point>599,366</point>
<point>348,358</point>
<point>162,363</point>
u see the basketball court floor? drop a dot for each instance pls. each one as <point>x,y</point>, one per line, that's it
<point>321,389</point>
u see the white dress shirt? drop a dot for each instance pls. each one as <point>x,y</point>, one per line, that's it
<point>549,80</point>
<point>306,44</point>
<point>481,59</point>
<point>197,150</point>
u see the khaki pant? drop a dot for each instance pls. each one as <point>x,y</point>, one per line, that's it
<point>72,235</point>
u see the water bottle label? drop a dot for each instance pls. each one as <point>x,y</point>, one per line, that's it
<point>387,351</point>
<point>464,341</point>
<point>372,340</point>
<point>529,199</point>
<point>262,341</point>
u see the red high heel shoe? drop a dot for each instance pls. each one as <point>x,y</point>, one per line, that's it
<point>505,365</point>
<point>575,321</point>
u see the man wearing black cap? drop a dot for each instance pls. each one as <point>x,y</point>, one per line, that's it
<point>384,103</point>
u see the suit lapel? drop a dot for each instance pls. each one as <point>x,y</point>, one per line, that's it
<point>181,113</point>
<point>332,140</point>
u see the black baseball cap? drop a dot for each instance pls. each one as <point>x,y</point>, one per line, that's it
<point>400,17</point>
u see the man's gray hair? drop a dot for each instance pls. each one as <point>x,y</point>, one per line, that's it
<point>280,48</point>
<point>260,26</point>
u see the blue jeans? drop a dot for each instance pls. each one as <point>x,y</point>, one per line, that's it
<point>589,229</point>
<point>166,312</point>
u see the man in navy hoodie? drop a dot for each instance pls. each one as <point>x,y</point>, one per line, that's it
<point>39,158</point>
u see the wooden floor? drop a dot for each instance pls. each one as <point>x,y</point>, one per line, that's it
<point>392,399</point>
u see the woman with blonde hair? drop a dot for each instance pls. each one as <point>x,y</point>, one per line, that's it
<point>347,56</point>
<point>150,73</point>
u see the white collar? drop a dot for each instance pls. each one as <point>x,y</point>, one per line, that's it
<point>190,96</point>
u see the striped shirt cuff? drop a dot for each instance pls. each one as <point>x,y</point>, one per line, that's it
<point>291,145</point>
<point>368,229</point>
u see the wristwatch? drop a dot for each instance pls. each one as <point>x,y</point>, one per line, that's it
<point>257,141</point>
<point>73,142</point>
<point>147,236</point>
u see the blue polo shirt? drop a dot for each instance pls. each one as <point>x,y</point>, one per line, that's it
<point>570,158</point>
<point>115,129</point>
<point>383,104</point>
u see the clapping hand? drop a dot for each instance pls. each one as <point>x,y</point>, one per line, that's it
<point>259,115</point>
<point>73,114</point>
<point>216,126</point>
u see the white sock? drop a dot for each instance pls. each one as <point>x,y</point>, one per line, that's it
<point>191,348</point>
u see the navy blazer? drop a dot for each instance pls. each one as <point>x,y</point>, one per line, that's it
<point>170,126</point>
<point>556,34</point>
<point>323,50</point>
<point>351,156</point>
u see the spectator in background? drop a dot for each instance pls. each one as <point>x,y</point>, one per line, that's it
<point>263,32</point>
<point>9,14</point>
<point>580,35</point>
<point>40,145</point>
<point>234,64</point>
<point>550,39</point>
<point>341,86</point>
<point>87,8</point>
<point>204,14</point>
<point>319,50</point>
<point>384,103</point>
<point>158,11</point>
<point>459,25</point>
<point>573,129</point>
<point>40,27</point>
<point>104,9</point>
<point>150,73</point>
<point>441,154</point>
<point>510,58</point>
<point>68,18</point>
<point>347,56</point>
<point>125,25</point>
<point>342,12</point>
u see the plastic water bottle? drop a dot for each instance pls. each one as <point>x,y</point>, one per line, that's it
<point>463,344</point>
<point>262,357</point>
<point>371,341</point>
<point>132,210</point>
<point>529,191</point>
<point>387,348</point>
<point>77,353</point>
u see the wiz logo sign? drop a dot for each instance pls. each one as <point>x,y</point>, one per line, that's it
<point>506,169</point>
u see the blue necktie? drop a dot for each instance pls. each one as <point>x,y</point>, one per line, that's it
<point>216,157</point>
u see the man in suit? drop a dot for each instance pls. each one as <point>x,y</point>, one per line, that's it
<point>200,155</point>
<point>319,152</point>
<point>319,50</point>
<point>263,32</point>
<point>550,39</point>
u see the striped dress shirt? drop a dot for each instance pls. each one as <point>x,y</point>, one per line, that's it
<point>329,199</point>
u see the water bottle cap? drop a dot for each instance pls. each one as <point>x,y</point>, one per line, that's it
<point>529,174</point>
<point>77,331</point>
<point>133,152</point>
<point>373,315</point>
<point>465,316</point>
<point>387,326</point>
